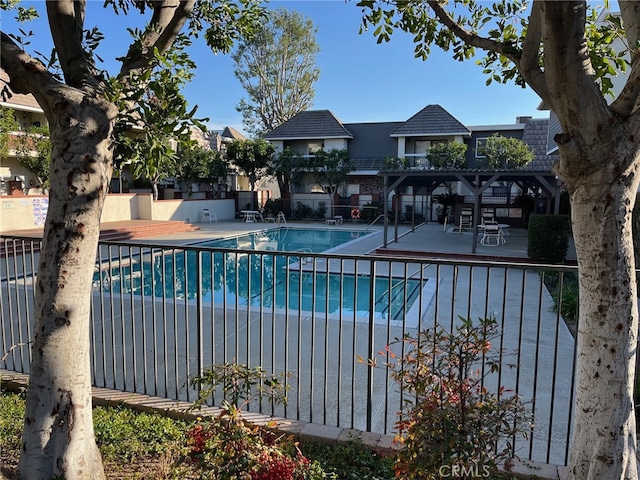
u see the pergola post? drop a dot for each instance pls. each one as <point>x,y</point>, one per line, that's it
<point>475,180</point>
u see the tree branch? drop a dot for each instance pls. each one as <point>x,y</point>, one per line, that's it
<point>169,16</point>
<point>529,65</point>
<point>66,21</point>
<point>465,35</point>
<point>567,63</point>
<point>627,100</point>
<point>27,75</point>
<point>630,14</point>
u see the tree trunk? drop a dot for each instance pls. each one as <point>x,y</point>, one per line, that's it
<point>604,422</point>
<point>58,439</point>
<point>154,190</point>
<point>284,186</point>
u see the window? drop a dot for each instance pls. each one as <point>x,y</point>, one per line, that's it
<point>353,189</point>
<point>479,144</point>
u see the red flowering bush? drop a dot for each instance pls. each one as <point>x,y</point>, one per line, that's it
<point>274,465</point>
<point>197,439</point>
<point>229,448</point>
<point>450,419</point>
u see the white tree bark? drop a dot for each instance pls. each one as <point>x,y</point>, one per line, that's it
<point>58,439</point>
<point>599,164</point>
<point>604,422</point>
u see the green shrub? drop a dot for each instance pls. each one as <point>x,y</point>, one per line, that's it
<point>322,210</point>
<point>570,298</point>
<point>229,448</point>
<point>370,211</point>
<point>408,215</point>
<point>214,448</point>
<point>303,211</point>
<point>274,206</point>
<point>548,238</point>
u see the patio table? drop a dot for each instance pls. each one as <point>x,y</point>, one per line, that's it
<point>250,215</point>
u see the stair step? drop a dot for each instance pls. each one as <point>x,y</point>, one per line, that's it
<point>123,232</point>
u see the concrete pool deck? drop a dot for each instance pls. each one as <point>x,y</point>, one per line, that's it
<point>427,239</point>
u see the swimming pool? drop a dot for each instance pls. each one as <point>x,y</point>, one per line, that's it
<point>276,281</point>
<point>288,239</point>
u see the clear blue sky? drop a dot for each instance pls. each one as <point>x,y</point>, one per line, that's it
<point>360,80</point>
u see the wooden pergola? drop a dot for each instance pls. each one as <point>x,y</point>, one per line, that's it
<point>477,181</point>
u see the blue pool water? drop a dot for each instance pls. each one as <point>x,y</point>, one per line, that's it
<point>268,280</point>
<point>288,239</point>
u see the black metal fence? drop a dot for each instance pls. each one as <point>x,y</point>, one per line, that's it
<point>160,314</point>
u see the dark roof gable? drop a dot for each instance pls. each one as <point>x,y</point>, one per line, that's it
<point>310,124</point>
<point>432,120</point>
<point>535,135</point>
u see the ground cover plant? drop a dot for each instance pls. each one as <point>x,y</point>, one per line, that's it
<point>451,422</point>
<point>137,445</point>
<point>133,445</point>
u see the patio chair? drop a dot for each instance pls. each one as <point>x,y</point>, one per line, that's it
<point>466,220</point>
<point>207,216</point>
<point>488,218</point>
<point>492,236</point>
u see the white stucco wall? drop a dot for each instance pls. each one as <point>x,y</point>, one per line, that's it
<point>191,210</point>
<point>335,144</point>
<point>23,213</point>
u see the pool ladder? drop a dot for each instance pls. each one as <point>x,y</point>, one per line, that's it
<point>382,215</point>
<point>394,295</point>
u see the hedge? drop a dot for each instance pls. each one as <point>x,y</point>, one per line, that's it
<point>548,238</point>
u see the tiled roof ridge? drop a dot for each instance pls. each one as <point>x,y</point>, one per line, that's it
<point>311,124</point>
<point>432,119</point>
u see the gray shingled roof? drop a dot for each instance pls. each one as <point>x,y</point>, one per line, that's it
<point>535,135</point>
<point>310,124</point>
<point>432,120</point>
